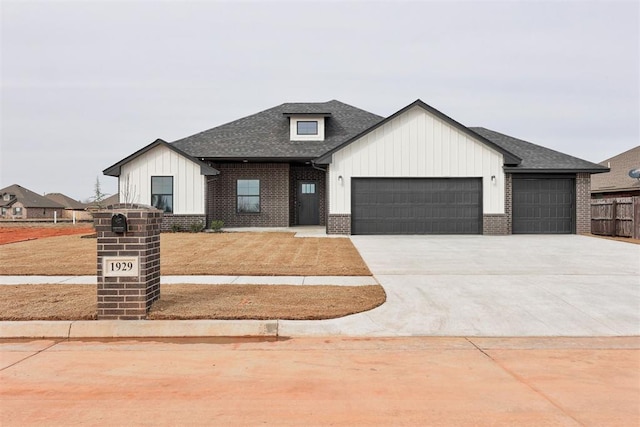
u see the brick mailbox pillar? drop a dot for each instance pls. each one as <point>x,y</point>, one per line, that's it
<point>128,261</point>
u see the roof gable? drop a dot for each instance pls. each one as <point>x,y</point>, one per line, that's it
<point>114,170</point>
<point>266,135</point>
<point>27,198</point>
<point>509,157</point>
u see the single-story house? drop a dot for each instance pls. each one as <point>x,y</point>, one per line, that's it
<point>73,209</point>
<point>617,182</point>
<point>17,202</point>
<point>417,171</point>
<point>113,199</point>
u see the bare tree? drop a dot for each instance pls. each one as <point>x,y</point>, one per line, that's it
<point>128,192</point>
<point>98,195</point>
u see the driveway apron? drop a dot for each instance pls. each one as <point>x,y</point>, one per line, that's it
<point>518,285</point>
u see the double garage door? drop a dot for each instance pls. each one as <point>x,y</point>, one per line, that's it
<point>416,206</point>
<point>454,205</point>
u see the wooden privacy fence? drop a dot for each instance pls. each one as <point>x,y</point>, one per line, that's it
<point>616,217</point>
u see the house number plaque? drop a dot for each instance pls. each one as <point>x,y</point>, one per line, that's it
<point>120,266</point>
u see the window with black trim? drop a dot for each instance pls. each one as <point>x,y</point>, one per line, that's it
<point>248,192</point>
<point>307,127</point>
<point>162,193</point>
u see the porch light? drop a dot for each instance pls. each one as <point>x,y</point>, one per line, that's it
<point>493,179</point>
<point>340,179</point>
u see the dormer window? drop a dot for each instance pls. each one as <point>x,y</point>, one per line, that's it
<point>307,127</point>
<point>6,197</point>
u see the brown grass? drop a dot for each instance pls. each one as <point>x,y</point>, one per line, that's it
<point>247,254</point>
<point>78,302</point>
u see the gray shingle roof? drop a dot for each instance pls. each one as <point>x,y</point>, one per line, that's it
<point>28,198</point>
<point>65,201</point>
<point>536,158</point>
<point>266,134</point>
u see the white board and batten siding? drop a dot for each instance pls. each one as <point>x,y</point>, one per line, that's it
<point>421,145</point>
<point>189,185</point>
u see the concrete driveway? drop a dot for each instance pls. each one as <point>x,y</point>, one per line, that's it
<point>519,285</point>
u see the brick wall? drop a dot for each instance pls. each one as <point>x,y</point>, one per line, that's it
<point>307,173</point>
<point>39,213</point>
<point>274,194</point>
<point>129,298</point>
<point>339,224</point>
<point>583,203</point>
<point>494,224</point>
<point>183,221</point>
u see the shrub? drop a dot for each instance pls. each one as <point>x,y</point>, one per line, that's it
<point>216,225</point>
<point>197,227</point>
<point>175,228</point>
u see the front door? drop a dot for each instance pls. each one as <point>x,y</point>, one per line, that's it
<point>308,212</point>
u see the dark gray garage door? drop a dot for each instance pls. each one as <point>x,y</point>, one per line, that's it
<point>416,206</point>
<point>543,206</point>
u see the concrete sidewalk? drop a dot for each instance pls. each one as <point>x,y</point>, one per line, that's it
<point>203,280</point>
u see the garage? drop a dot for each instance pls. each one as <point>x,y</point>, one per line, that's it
<point>543,205</point>
<point>416,206</point>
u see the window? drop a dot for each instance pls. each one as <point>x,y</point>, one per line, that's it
<point>162,193</point>
<point>3,212</point>
<point>307,127</point>
<point>308,188</point>
<point>17,211</point>
<point>248,195</point>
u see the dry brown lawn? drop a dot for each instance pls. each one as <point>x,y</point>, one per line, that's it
<point>247,254</point>
<point>78,302</point>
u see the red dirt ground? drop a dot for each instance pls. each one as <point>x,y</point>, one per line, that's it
<point>19,234</point>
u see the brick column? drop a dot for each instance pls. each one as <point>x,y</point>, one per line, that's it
<point>130,282</point>
<point>583,203</point>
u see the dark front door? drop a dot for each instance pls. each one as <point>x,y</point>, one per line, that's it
<point>308,211</point>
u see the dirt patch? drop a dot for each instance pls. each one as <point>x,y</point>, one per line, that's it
<point>246,254</point>
<point>24,233</point>
<point>618,239</point>
<point>78,302</point>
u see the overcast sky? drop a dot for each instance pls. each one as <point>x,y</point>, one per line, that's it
<point>86,83</point>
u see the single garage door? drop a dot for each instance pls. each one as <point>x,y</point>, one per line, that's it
<point>416,206</point>
<point>543,205</point>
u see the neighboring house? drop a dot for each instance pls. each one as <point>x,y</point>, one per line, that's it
<point>72,208</point>
<point>17,202</point>
<point>417,171</point>
<point>114,199</point>
<point>617,182</point>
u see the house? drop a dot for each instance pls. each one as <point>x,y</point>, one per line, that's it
<point>73,209</point>
<point>17,202</point>
<point>113,199</point>
<point>617,182</point>
<point>417,171</point>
